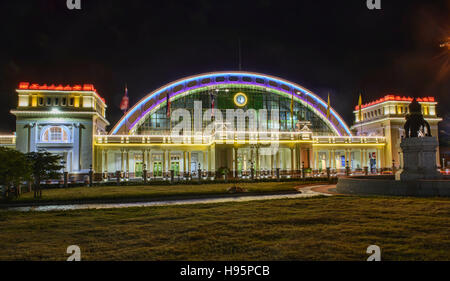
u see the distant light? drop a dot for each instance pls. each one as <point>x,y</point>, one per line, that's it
<point>56,110</point>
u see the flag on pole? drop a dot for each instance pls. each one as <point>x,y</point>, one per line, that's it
<point>212,103</point>
<point>168,105</point>
<point>360,108</point>
<point>124,104</point>
<point>328,107</point>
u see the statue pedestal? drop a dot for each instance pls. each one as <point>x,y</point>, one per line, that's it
<point>419,159</point>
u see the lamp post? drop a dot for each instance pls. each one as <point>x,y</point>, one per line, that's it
<point>65,174</point>
<point>252,170</point>
<point>144,172</point>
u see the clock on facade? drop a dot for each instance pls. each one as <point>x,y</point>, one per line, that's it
<point>240,99</point>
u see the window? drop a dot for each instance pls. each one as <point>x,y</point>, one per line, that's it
<point>63,101</point>
<point>71,101</point>
<point>192,84</point>
<point>49,101</point>
<point>56,101</point>
<point>41,101</point>
<point>273,83</point>
<point>259,81</point>
<point>55,134</point>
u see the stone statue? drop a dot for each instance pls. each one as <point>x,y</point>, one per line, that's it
<point>415,123</point>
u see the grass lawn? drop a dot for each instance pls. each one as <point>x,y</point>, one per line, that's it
<point>331,228</point>
<point>151,191</point>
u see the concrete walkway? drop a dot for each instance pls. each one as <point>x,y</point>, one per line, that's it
<point>304,192</point>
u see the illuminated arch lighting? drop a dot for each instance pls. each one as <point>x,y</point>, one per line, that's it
<point>186,89</point>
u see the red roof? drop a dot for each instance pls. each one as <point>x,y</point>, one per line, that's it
<point>395,98</point>
<point>81,88</point>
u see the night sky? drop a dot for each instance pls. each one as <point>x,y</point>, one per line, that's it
<point>334,46</point>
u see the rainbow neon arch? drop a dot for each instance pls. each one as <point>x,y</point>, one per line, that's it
<point>157,98</point>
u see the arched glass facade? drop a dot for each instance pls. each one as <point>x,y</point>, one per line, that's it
<point>258,98</point>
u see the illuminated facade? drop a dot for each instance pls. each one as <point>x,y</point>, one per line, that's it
<point>386,117</point>
<point>61,120</point>
<point>71,121</point>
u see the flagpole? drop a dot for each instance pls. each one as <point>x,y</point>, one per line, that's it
<point>360,114</point>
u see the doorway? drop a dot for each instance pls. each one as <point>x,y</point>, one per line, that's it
<point>138,170</point>
<point>157,169</point>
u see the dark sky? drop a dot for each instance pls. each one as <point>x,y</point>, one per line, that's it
<point>332,46</point>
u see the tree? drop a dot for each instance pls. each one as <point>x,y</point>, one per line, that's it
<point>45,166</point>
<point>14,168</point>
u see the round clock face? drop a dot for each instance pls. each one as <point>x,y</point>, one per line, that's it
<point>240,99</point>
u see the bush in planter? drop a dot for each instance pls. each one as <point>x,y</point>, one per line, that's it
<point>223,172</point>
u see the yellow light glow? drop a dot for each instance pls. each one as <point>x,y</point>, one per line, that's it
<point>33,101</point>
<point>76,102</point>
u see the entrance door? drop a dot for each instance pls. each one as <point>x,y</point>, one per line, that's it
<point>138,171</point>
<point>239,159</point>
<point>157,169</point>
<point>193,167</point>
<point>175,166</point>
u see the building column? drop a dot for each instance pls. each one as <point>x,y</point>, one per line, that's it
<point>189,161</point>
<point>164,164</point>
<point>149,160</point>
<point>169,160</point>
<point>350,158</point>
<point>278,162</point>
<point>309,157</point>
<point>364,155</point>
<point>378,158</point>
<point>184,162</point>
<point>106,162</point>
<point>213,159</point>
<point>128,163</point>
<point>346,157</point>
<point>316,160</point>
<point>258,162</point>
<point>292,160</point>
<point>122,164</point>
<point>300,157</point>
<point>329,158</point>
<point>98,164</point>
<point>272,156</point>
<point>235,161</point>
<point>143,160</point>
<point>333,161</point>
<point>209,160</point>
<point>361,158</point>
<point>204,165</point>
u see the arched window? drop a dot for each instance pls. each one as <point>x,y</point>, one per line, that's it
<point>55,134</point>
